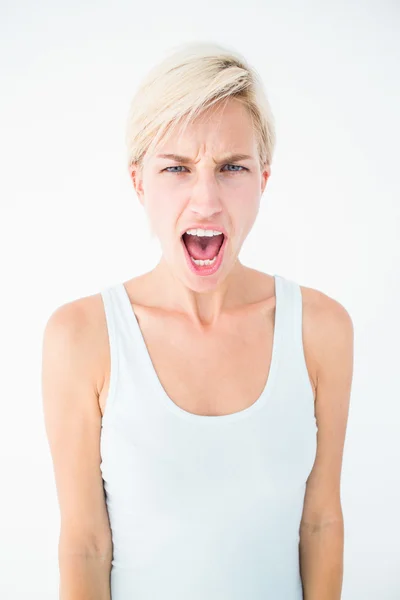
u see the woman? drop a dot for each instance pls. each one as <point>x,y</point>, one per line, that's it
<point>196,414</point>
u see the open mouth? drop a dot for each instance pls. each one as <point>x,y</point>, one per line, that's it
<point>203,250</point>
<point>204,253</point>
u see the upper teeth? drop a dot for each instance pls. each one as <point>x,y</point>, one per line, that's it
<point>203,232</point>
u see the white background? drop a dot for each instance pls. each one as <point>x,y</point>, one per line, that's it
<point>71,223</point>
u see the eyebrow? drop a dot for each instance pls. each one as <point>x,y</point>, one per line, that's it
<point>187,159</point>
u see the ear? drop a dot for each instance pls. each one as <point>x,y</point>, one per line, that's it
<point>265,176</point>
<point>135,172</point>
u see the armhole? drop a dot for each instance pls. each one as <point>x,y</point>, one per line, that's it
<point>113,351</point>
<point>299,337</point>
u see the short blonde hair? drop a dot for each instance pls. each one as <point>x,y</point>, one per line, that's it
<point>189,80</point>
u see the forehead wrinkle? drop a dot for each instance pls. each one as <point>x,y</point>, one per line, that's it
<point>225,158</point>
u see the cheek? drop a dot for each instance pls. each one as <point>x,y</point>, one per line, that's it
<point>162,213</point>
<point>244,212</point>
<point>246,205</point>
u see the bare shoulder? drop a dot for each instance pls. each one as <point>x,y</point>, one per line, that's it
<point>79,326</point>
<point>327,325</point>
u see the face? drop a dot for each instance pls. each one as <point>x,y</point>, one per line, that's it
<point>206,187</point>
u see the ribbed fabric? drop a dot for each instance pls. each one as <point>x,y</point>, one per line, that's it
<point>206,507</point>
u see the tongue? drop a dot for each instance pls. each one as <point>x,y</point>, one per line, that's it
<point>203,247</point>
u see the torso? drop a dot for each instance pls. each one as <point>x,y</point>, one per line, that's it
<point>214,372</point>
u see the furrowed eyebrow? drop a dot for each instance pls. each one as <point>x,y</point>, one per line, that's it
<point>225,159</point>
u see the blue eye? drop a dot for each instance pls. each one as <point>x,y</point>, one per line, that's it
<point>176,167</point>
<point>237,167</point>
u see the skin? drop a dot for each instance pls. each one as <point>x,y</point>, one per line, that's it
<point>198,316</point>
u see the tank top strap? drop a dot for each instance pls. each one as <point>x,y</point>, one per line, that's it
<point>127,359</point>
<point>111,316</point>
<point>124,331</point>
<point>290,319</point>
<point>288,309</point>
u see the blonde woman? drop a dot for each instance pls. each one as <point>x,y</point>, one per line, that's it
<point>196,414</point>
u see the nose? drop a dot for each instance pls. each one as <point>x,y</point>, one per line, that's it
<point>205,198</point>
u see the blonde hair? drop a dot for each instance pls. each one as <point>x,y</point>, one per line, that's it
<point>189,80</point>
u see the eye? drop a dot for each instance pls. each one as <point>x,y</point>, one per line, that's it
<point>227,165</point>
<point>175,167</point>
<point>237,166</point>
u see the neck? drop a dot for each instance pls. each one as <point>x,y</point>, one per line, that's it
<point>203,301</point>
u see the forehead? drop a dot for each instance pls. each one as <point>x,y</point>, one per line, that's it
<point>226,128</point>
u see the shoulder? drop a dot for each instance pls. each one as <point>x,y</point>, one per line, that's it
<point>76,331</point>
<point>328,326</point>
<point>75,319</point>
<point>324,308</point>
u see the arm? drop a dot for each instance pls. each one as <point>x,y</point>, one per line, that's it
<point>73,424</point>
<point>322,527</point>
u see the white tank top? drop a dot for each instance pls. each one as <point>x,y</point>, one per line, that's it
<point>206,507</point>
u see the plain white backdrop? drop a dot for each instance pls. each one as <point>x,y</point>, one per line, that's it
<point>329,219</point>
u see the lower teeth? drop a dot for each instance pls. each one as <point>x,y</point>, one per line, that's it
<point>203,262</point>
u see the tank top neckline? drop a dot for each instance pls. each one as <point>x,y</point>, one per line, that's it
<point>161,393</point>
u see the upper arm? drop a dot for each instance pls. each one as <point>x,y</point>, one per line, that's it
<point>73,425</point>
<point>332,349</point>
